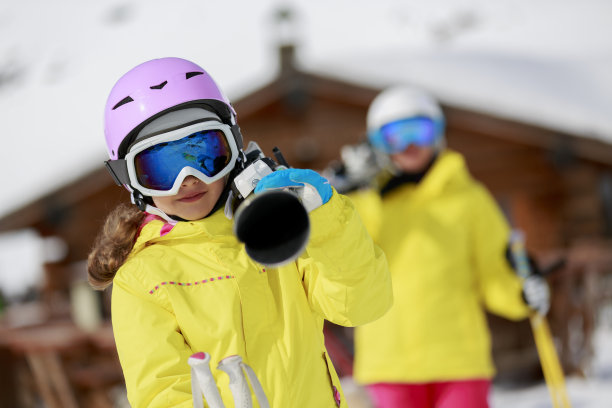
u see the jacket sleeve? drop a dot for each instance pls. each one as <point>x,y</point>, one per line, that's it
<point>499,286</point>
<point>368,203</point>
<point>152,351</point>
<point>345,275</point>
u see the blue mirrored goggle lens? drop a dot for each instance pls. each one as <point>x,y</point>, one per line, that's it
<point>395,137</point>
<point>158,166</point>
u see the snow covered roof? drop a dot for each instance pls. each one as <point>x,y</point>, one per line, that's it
<point>545,62</point>
<point>556,94</point>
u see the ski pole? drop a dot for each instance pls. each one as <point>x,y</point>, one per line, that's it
<point>237,381</point>
<point>549,360</point>
<point>203,383</point>
<point>256,385</point>
<point>236,369</point>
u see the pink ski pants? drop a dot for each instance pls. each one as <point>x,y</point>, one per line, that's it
<point>447,394</point>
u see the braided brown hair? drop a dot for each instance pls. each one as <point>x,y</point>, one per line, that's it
<point>113,244</point>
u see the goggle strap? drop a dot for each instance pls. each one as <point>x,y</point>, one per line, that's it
<point>139,200</point>
<point>237,136</point>
<point>118,170</point>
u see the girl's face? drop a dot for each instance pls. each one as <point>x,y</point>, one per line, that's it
<point>413,159</point>
<point>194,200</point>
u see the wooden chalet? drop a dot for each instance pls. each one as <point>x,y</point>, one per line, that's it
<point>555,186</point>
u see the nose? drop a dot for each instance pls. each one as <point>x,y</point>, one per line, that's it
<point>189,181</point>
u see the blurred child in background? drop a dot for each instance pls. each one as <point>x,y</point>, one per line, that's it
<point>446,242</point>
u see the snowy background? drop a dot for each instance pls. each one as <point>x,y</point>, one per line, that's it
<point>546,62</point>
<point>542,61</point>
<point>594,391</point>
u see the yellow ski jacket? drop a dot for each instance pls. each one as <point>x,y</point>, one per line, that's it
<point>194,289</point>
<point>445,241</point>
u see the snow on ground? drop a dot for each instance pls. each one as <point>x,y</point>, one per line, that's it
<point>595,391</point>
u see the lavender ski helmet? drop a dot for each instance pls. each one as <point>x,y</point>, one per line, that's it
<point>154,88</point>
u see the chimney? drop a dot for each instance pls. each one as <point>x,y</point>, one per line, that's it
<point>286,40</point>
<point>286,53</point>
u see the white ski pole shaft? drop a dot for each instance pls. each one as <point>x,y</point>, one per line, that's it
<point>237,381</point>
<point>203,382</point>
<point>257,388</point>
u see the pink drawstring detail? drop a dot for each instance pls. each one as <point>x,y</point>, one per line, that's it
<point>190,283</point>
<point>166,228</point>
<point>337,396</point>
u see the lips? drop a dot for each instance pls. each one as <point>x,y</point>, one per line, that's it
<point>191,197</point>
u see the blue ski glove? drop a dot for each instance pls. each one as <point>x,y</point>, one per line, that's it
<point>313,189</point>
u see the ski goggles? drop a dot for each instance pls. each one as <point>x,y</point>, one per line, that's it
<point>395,137</point>
<point>157,165</point>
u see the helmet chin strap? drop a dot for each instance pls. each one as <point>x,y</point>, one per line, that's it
<point>156,211</point>
<point>140,201</point>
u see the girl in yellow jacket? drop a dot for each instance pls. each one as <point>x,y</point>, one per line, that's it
<point>445,240</point>
<point>181,281</point>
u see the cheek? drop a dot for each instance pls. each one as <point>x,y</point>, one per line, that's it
<point>163,203</point>
<point>412,160</point>
<point>217,188</point>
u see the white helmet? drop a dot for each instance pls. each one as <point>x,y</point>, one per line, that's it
<point>404,102</point>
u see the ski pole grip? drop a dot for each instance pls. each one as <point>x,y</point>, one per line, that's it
<point>203,382</point>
